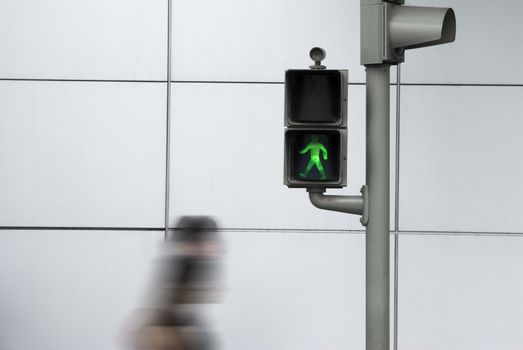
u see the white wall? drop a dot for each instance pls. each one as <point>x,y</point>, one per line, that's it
<point>83,118</point>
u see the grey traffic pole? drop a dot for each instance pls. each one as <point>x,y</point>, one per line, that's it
<point>387,29</point>
<point>377,230</point>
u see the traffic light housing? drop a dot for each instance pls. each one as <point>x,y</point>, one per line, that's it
<point>388,28</point>
<point>316,134</point>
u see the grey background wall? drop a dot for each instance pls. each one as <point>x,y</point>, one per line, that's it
<point>85,100</point>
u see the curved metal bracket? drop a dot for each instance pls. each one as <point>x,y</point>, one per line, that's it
<point>346,204</point>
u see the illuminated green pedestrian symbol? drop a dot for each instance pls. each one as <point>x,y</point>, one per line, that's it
<point>315,147</point>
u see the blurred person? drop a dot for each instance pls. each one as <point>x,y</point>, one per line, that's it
<point>187,278</point>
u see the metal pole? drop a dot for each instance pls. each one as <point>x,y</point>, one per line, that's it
<point>377,231</point>
<point>396,205</point>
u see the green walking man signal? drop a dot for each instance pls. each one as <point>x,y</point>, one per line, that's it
<point>315,147</point>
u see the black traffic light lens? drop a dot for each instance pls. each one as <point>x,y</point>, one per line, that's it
<point>314,96</point>
<point>313,156</point>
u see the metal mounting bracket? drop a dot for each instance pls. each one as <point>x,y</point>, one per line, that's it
<point>358,205</point>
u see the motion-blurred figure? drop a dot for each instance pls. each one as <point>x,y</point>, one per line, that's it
<point>187,278</point>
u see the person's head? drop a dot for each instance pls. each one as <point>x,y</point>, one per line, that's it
<point>196,235</point>
<point>195,229</point>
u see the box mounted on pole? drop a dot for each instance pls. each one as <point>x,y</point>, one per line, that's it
<point>388,29</point>
<point>316,126</point>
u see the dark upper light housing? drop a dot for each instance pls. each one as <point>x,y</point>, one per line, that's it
<point>316,97</point>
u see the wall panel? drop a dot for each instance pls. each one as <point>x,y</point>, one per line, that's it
<point>82,154</point>
<point>235,40</point>
<point>83,39</point>
<point>486,50</point>
<point>460,292</point>
<point>460,162</point>
<point>292,291</point>
<point>72,289</point>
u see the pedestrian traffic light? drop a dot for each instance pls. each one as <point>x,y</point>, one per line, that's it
<point>316,134</point>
